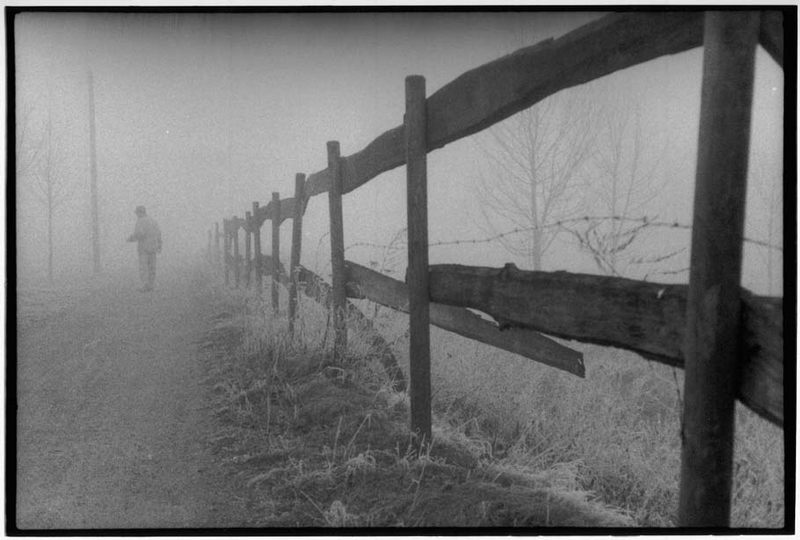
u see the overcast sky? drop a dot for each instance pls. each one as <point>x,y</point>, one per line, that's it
<point>198,115</point>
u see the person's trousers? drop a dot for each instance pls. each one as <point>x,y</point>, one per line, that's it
<point>147,268</point>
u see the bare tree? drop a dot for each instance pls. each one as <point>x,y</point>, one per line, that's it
<point>538,160</point>
<point>622,184</point>
<point>28,148</point>
<point>50,184</point>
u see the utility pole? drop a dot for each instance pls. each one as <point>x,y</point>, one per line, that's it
<point>93,168</point>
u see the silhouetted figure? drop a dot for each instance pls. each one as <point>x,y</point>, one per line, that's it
<point>148,235</point>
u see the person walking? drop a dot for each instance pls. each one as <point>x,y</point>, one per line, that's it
<point>148,235</point>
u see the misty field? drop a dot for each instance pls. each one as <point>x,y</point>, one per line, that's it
<point>35,304</point>
<point>611,177</point>
<point>611,439</point>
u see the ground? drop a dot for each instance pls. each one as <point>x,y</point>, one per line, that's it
<point>165,410</point>
<point>112,416</point>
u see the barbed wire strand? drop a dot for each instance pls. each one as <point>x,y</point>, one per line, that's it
<point>559,223</point>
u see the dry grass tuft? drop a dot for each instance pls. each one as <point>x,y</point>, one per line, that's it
<point>515,443</point>
<point>319,445</point>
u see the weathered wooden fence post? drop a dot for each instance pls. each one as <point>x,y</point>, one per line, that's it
<point>276,249</point>
<point>713,334</point>
<point>237,270</point>
<point>226,240</point>
<point>297,239</point>
<point>257,245</point>
<point>339,298</point>
<point>248,228</point>
<point>415,123</point>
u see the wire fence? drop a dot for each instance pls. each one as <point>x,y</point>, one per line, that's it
<point>562,223</point>
<point>398,242</point>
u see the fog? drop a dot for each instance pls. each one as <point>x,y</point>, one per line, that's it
<point>199,115</point>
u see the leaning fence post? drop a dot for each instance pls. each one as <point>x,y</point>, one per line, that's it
<point>415,123</point>
<point>297,238</point>
<point>713,334</point>
<point>337,252</point>
<point>236,263</point>
<point>257,245</point>
<point>276,248</point>
<point>226,239</point>
<point>248,227</point>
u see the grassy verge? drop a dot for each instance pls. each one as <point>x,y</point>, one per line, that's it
<point>316,445</point>
<point>619,428</point>
<point>502,423</point>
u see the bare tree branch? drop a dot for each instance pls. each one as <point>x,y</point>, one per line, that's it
<point>49,178</point>
<point>622,185</point>
<point>540,156</point>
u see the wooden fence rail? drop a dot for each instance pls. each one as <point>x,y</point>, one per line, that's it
<point>371,285</point>
<point>645,317</point>
<point>496,90</point>
<point>663,322</point>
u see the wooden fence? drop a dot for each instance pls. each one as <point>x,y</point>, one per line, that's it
<point>729,341</point>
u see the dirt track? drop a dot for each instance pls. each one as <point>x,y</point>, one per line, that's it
<point>112,418</point>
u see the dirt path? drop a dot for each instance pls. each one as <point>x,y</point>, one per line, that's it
<point>112,417</point>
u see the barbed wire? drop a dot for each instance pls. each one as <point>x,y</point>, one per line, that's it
<point>672,272</point>
<point>560,223</point>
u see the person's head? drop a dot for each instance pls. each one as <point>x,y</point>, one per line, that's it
<point>140,211</point>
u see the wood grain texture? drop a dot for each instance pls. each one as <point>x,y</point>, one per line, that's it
<point>648,318</point>
<point>498,89</point>
<point>368,284</point>
<point>771,33</point>
<point>419,328</point>
<point>713,344</point>
<point>761,380</point>
<point>383,154</point>
<point>336,228</point>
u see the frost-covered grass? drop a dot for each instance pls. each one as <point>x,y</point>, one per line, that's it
<point>322,445</point>
<point>619,428</point>
<point>613,437</point>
